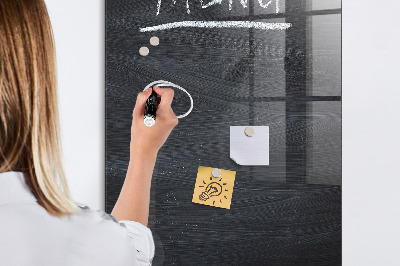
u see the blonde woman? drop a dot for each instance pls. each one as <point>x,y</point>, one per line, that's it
<point>40,223</point>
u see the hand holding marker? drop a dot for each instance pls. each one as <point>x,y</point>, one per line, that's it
<point>150,109</point>
<point>151,103</point>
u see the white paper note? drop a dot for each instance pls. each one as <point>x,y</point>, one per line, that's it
<point>246,150</point>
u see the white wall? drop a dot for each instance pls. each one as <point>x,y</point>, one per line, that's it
<point>371,124</point>
<point>371,132</point>
<point>79,33</point>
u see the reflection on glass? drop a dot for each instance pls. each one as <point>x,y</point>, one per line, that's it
<point>324,55</point>
<point>323,4</point>
<point>269,7</point>
<point>272,114</point>
<point>324,143</point>
<point>269,61</point>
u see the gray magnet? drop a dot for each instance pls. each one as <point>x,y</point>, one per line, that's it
<point>249,131</point>
<point>143,51</point>
<point>216,173</point>
<point>154,41</point>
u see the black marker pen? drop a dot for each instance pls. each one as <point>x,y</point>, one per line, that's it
<point>150,109</point>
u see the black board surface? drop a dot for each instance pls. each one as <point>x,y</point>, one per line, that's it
<point>287,213</point>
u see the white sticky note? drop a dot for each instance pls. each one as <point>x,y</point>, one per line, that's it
<point>245,150</point>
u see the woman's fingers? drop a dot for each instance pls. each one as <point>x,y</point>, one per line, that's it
<point>167,95</point>
<point>158,90</point>
<point>141,99</point>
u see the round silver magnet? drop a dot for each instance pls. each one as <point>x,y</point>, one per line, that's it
<point>216,173</point>
<point>143,51</point>
<point>154,41</point>
<point>249,131</point>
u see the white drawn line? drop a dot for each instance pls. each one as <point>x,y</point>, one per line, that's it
<point>219,24</point>
<point>170,84</point>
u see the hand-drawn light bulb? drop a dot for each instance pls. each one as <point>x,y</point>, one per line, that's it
<point>213,189</point>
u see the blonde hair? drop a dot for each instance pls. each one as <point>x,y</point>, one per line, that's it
<point>29,117</point>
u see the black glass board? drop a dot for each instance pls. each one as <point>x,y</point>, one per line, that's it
<point>286,213</point>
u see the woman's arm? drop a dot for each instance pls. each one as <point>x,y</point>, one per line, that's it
<point>134,199</point>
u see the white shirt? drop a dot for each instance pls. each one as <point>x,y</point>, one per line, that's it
<point>31,236</point>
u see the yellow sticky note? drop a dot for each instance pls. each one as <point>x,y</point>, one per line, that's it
<point>213,191</point>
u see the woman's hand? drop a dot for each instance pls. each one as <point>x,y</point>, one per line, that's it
<point>133,201</point>
<point>148,140</point>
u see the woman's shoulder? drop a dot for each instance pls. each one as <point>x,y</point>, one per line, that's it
<point>95,220</point>
<point>85,212</point>
<point>138,236</point>
<point>88,235</point>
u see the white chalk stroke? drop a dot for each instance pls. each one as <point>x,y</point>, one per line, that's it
<point>173,2</point>
<point>219,24</point>
<point>243,2</point>
<point>165,83</point>
<point>264,5</point>
<point>215,2</point>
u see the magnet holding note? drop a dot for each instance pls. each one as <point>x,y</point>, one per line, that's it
<point>214,187</point>
<point>249,145</point>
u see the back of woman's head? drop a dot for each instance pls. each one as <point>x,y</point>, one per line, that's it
<point>29,118</point>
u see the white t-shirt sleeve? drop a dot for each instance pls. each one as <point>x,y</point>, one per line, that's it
<point>140,235</point>
<point>143,240</point>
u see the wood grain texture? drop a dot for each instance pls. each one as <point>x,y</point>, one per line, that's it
<point>236,77</point>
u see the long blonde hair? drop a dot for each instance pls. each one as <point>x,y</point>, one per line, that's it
<point>29,117</point>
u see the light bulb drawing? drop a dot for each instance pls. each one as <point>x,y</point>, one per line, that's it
<point>213,189</point>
